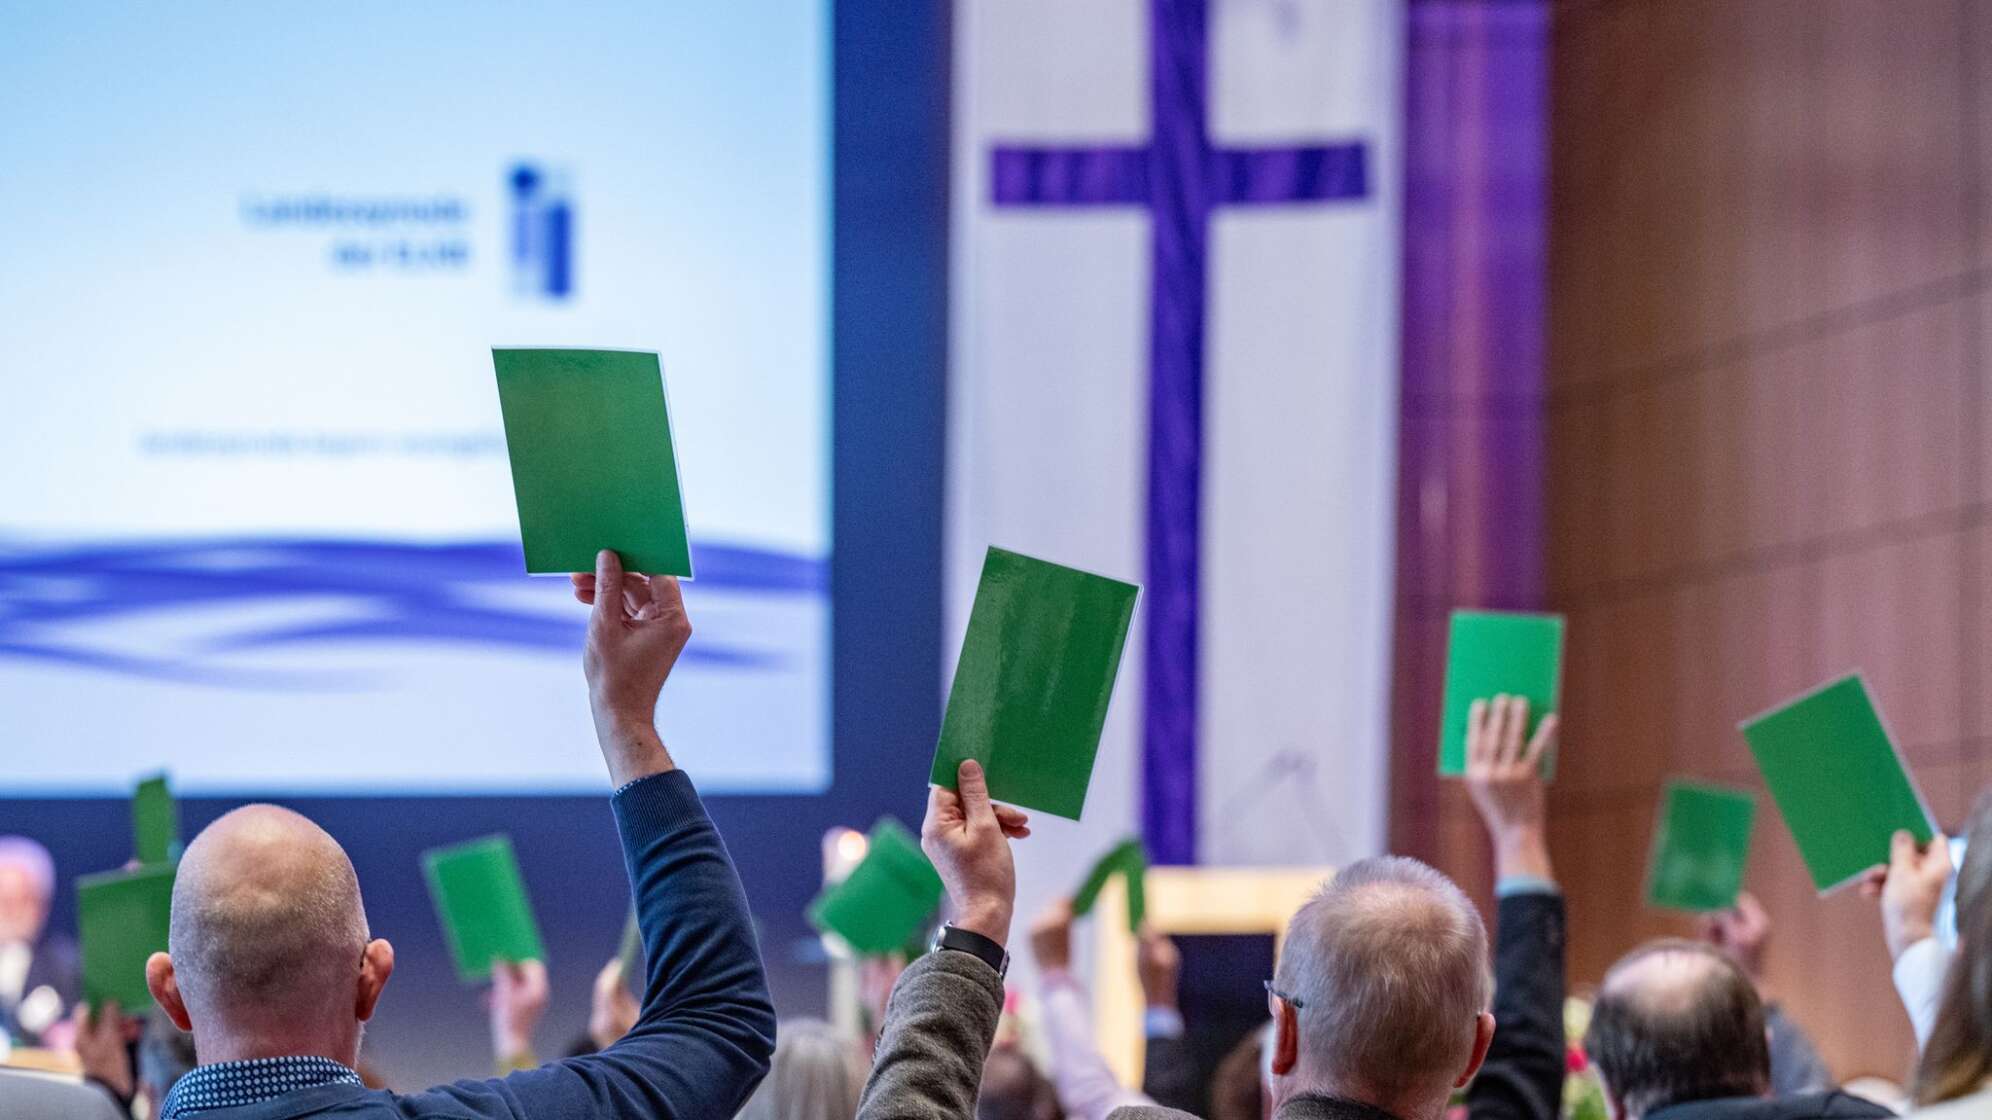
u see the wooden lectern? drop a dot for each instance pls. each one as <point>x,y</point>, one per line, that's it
<point>1182,900</point>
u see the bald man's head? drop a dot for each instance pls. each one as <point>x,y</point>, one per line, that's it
<point>1677,1021</point>
<point>266,918</point>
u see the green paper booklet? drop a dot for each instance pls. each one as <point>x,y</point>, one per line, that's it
<point>1492,653</point>
<point>122,917</point>
<point>593,464</point>
<point>1129,859</point>
<point>1701,843</point>
<point>155,822</point>
<point>481,901</point>
<point>1030,690</point>
<point>887,898</point>
<point>1837,780</point>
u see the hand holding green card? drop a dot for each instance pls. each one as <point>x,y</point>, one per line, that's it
<point>155,822</point>
<point>1700,846</point>
<point>593,463</point>
<point>886,899</point>
<point>1030,690</point>
<point>1490,654</point>
<point>481,900</point>
<point>1837,780</point>
<point>122,919</point>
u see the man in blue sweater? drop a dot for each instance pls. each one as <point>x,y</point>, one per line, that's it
<point>271,966</point>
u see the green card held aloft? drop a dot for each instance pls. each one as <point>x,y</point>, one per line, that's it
<point>122,918</point>
<point>481,901</point>
<point>1129,859</point>
<point>155,822</point>
<point>1031,688</point>
<point>1700,846</point>
<point>886,900</point>
<point>593,465</point>
<point>1837,780</point>
<point>1495,653</point>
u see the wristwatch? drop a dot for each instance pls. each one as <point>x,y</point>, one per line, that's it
<point>975,945</point>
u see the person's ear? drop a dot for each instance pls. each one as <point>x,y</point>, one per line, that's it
<point>1286,1038</point>
<point>165,989</point>
<point>376,965</point>
<point>1483,1037</point>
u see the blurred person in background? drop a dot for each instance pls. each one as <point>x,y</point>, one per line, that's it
<point>38,971</point>
<point>1957,1056</point>
<point>1014,1089</point>
<point>1744,932</point>
<point>1678,1033</point>
<point>1086,1086</point>
<point>818,1073</point>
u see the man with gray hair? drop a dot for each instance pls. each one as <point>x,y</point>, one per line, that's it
<point>37,970</point>
<point>1381,1005</point>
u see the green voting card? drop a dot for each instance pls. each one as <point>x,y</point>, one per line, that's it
<point>122,919</point>
<point>1129,859</point>
<point>1837,780</point>
<point>593,464</point>
<point>1031,688</point>
<point>886,900</point>
<point>1493,653</point>
<point>1700,846</point>
<point>155,822</point>
<point>481,901</point>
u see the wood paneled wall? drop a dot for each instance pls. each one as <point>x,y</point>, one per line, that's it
<point>1769,300</point>
<point>1770,291</point>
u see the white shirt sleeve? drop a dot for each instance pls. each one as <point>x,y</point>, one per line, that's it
<point>1919,981</point>
<point>1087,1089</point>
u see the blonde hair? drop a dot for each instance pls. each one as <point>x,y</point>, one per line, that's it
<point>818,1073</point>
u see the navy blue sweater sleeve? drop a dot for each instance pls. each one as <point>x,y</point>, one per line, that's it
<point>703,1039</point>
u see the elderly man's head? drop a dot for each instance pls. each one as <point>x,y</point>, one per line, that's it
<point>27,882</point>
<point>1382,990</point>
<point>268,950</point>
<point>1677,1021</point>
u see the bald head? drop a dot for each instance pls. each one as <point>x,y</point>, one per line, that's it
<point>1677,1021</point>
<point>266,917</point>
<point>1389,966</point>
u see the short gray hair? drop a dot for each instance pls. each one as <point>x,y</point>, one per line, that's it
<point>1389,963</point>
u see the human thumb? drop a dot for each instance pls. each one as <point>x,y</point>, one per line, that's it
<point>608,587</point>
<point>973,786</point>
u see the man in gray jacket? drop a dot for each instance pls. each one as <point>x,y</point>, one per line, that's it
<point>1381,1006</point>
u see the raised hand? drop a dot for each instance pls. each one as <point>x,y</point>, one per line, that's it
<point>1741,932</point>
<point>1504,779</point>
<point>1910,888</point>
<point>636,631</point>
<point>101,1047</point>
<point>1160,966</point>
<point>968,838</point>
<point>519,995</point>
<point>1051,937</point>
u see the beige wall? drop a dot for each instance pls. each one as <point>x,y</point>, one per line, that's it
<point>1768,310</point>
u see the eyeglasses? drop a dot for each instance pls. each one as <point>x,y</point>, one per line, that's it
<point>1277,994</point>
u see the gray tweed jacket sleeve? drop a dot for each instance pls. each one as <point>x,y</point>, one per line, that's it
<point>939,1024</point>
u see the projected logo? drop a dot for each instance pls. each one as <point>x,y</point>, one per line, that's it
<point>542,233</point>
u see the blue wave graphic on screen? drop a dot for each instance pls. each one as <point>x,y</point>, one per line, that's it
<point>390,592</point>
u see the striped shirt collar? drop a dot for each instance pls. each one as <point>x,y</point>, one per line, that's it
<point>252,1081</point>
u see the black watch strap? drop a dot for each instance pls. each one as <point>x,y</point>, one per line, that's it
<point>975,945</point>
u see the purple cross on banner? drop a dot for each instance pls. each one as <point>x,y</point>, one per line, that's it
<point>1182,177</point>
